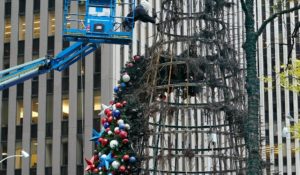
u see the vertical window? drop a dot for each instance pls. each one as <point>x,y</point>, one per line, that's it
<point>4,154</point>
<point>79,157</point>
<point>49,115</point>
<point>6,55</point>
<point>48,153</point>
<point>18,160</point>
<point>65,153</point>
<point>51,4</point>
<point>97,69</point>
<point>65,81</point>
<point>4,115</point>
<point>36,6</point>
<point>97,102</point>
<point>51,23</point>
<point>35,46</point>
<point>7,8</point>
<point>22,7</point>
<point>65,107</point>
<point>33,154</point>
<point>22,28</point>
<point>21,48</point>
<point>6,49</point>
<point>80,98</point>
<point>51,45</point>
<point>81,74</point>
<point>97,63</point>
<point>4,133</point>
<point>20,112</point>
<point>7,30</point>
<point>36,26</point>
<point>35,112</point>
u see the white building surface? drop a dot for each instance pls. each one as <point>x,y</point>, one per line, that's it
<point>52,116</point>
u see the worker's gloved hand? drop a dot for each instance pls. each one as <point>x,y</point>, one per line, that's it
<point>154,15</point>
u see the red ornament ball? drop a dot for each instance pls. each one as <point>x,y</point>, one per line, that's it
<point>104,142</point>
<point>117,131</point>
<point>109,113</point>
<point>130,65</point>
<point>122,169</point>
<point>107,129</point>
<point>110,119</point>
<point>123,134</point>
<point>106,111</point>
<point>124,103</point>
<point>126,157</point>
<point>125,141</point>
<point>100,139</point>
<point>119,105</point>
<point>136,58</point>
<point>103,120</point>
<point>96,170</point>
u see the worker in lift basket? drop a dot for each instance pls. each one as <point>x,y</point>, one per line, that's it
<point>140,13</point>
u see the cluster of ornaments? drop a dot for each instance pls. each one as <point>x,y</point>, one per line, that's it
<point>112,155</point>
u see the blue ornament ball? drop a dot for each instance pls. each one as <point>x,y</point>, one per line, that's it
<point>116,113</point>
<point>123,85</point>
<point>132,159</point>
<point>106,125</point>
<point>116,89</point>
<point>122,126</point>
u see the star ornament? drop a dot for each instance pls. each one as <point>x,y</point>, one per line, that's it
<point>90,163</point>
<point>96,135</point>
<point>103,107</point>
<point>106,160</point>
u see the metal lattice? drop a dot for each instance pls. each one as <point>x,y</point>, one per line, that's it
<point>197,103</point>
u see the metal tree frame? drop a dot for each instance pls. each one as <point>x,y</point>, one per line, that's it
<point>195,81</point>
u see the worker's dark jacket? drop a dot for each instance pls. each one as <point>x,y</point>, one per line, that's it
<point>139,14</point>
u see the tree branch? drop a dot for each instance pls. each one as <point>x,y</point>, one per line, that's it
<point>271,18</point>
<point>244,7</point>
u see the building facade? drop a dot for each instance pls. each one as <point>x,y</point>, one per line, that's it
<point>279,108</point>
<point>52,116</point>
<point>45,115</point>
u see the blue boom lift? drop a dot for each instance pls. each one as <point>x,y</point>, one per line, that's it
<point>99,24</point>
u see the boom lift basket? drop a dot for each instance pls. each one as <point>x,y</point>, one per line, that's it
<point>97,21</point>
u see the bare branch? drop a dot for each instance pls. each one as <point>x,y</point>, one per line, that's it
<point>271,18</point>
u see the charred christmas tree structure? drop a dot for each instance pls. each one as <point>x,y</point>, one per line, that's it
<point>196,93</point>
<point>185,101</point>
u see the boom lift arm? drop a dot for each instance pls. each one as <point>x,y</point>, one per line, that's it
<point>64,59</point>
<point>99,24</point>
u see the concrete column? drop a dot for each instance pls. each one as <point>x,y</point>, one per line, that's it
<point>42,96</point>
<point>57,93</point>
<point>26,139</point>
<point>107,73</point>
<point>11,141</point>
<point>88,105</point>
<point>73,81</point>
